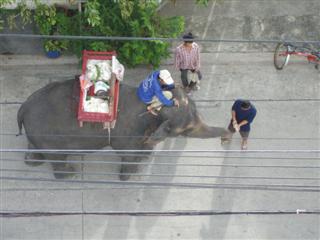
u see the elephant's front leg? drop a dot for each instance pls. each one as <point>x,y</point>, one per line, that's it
<point>129,165</point>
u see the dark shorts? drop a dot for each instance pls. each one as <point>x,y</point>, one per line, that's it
<point>243,134</point>
<point>184,76</point>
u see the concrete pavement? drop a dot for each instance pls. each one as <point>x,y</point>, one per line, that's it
<point>271,131</point>
<point>282,124</point>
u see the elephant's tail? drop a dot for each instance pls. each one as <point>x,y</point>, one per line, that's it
<point>20,115</point>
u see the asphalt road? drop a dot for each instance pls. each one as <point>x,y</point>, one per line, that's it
<point>288,119</point>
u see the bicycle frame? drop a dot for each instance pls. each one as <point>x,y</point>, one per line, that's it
<point>310,54</point>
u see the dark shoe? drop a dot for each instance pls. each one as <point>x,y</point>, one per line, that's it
<point>192,85</point>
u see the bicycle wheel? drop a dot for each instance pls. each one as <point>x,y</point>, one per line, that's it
<point>281,56</point>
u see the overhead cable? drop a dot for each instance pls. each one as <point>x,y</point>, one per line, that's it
<point>121,38</point>
<point>216,100</point>
<point>15,214</point>
<point>142,136</point>
<point>260,100</point>
<point>70,151</point>
<point>160,175</point>
<point>189,156</point>
<point>265,187</point>
<point>161,164</point>
<point>110,187</point>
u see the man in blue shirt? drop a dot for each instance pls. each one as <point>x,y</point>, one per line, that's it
<point>243,112</point>
<point>155,91</point>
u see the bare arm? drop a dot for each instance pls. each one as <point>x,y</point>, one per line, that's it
<point>234,121</point>
<point>233,115</point>
<point>244,122</point>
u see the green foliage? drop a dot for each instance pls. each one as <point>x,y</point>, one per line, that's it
<point>11,20</point>
<point>11,16</point>
<point>6,2</point>
<point>50,22</point>
<point>92,13</point>
<point>25,13</point>
<point>134,18</point>
<point>138,18</point>
<point>204,2</point>
<point>55,45</point>
<point>45,18</point>
<point>3,15</point>
<point>171,27</point>
<point>126,8</point>
<point>100,46</point>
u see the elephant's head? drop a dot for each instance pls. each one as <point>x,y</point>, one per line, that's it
<point>183,120</point>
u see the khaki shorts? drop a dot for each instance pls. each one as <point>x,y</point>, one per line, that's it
<point>243,134</point>
<point>156,103</point>
<point>188,77</point>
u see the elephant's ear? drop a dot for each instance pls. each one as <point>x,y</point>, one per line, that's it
<point>160,134</point>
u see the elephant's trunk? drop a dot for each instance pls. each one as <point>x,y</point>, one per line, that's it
<point>201,130</point>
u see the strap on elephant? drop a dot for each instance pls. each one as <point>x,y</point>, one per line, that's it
<point>109,125</point>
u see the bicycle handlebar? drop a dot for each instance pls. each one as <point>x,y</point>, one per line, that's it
<point>303,49</point>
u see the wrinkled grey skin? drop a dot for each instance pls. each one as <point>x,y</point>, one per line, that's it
<point>49,117</point>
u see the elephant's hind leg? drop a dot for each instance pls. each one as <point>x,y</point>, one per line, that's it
<point>30,156</point>
<point>61,169</point>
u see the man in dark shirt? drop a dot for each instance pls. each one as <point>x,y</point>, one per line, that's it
<point>243,112</point>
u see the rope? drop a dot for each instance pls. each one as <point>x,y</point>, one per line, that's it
<point>15,214</point>
<point>119,38</point>
<point>270,187</point>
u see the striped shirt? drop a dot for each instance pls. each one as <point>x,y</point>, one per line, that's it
<point>186,58</point>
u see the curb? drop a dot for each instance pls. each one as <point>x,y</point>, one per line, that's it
<point>18,60</point>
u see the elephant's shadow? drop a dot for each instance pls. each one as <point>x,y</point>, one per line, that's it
<point>148,198</point>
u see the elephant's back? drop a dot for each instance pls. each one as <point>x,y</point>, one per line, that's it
<point>56,101</point>
<point>129,108</point>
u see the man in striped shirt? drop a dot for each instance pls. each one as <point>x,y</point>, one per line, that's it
<point>187,60</point>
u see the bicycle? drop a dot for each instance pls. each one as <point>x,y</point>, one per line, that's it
<point>284,50</point>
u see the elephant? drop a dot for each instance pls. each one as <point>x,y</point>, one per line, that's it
<point>49,118</point>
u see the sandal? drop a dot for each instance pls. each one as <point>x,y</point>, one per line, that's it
<point>225,141</point>
<point>244,147</point>
<point>152,111</point>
